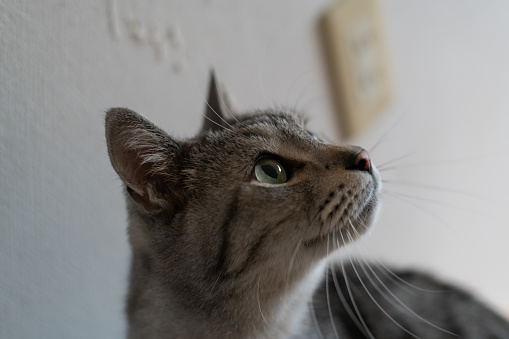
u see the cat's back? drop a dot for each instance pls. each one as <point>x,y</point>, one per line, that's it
<point>360,300</point>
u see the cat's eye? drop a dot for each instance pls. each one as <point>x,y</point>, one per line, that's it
<point>270,171</point>
<point>313,135</point>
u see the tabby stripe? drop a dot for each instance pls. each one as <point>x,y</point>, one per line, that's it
<point>252,253</point>
<point>225,229</point>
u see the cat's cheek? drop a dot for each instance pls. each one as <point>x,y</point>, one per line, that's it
<point>376,178</point>
<point>374,218</point>
<point>375,201</point>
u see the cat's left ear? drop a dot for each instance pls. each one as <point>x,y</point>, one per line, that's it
<point>214,109</point>
<point>145,158</point>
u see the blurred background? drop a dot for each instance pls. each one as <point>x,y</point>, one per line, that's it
<point>441,140</point>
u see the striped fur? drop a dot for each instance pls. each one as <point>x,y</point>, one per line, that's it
<point>218,254</point>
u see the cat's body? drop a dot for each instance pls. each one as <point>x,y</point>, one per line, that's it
<point>230,232</point>
<point>405,305</point>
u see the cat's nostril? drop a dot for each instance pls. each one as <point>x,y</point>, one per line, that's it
<point>362,162</point>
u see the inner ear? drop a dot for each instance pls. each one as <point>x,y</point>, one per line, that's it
<point>145,158</point>
<point>214,117</point>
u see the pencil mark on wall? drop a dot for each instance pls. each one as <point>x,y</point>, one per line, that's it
<point>165,40</point>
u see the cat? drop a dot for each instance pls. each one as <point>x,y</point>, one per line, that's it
<point>232,230</point>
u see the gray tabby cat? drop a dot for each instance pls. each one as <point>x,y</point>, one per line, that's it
<point>230,232</point>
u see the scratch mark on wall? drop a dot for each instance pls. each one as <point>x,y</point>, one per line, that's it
<point>112,13</point>
<point>166,40</point>
<point>135,30</point>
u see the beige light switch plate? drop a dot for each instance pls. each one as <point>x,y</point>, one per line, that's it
<point>357,62</point>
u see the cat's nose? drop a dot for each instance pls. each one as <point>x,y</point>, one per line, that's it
<point>362,162</point>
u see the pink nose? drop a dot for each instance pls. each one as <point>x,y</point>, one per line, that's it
<point>363,162</point>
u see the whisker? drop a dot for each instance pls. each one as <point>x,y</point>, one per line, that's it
<point>396,278</point>
<point>226,128</point>
<point>360,222</point>
<point>440,162</point>
<point>376,302</point>
<point>290,266</point>
<point>218,115</point>
<point>221,97</point>
<point>361,327</point>
<point>352,299</point>
<point>315,320</point>
<point>210,292</point>
<point>307,105</point>
<point>386,133</point>
<point>227,108</point>
<point>430,187</point>
<point>440,203</point>
<point>399,301</point>
<point>258,300</point>
<point>388,162</point>
<point>297,79</point>
<point>327,291</point>
<point>386,297</point>
<point>301,94</point>
<point>208,105</point>
<point>418,207</point>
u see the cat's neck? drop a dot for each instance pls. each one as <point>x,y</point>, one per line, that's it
<point>291,317</point>
<point>277,308</point>
<point>267,307</point>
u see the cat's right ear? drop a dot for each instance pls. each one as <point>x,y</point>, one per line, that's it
<point>213,116</point>
<point>145,158</point>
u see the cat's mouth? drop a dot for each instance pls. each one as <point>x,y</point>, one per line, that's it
<point>347,213</point>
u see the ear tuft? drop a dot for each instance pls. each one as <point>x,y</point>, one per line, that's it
<point>145,158</point>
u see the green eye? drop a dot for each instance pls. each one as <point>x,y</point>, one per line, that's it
<point>270,171</point>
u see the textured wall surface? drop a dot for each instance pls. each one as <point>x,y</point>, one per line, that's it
<point>63,247</point>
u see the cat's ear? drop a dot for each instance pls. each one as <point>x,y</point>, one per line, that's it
<point>145,158</point>
<point>214,115</point>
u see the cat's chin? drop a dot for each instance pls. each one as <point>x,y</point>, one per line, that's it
<point>344,232</point>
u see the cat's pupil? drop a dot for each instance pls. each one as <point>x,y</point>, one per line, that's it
<point>270,171</point>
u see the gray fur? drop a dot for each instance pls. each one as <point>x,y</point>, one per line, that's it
<point>217,254</point>
<point>419,305</point>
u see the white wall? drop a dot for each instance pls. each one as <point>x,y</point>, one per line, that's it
<point>63,249</point>
<point>450,60</point>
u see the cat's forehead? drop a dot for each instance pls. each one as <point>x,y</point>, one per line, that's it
<point>274,117</point>
<point>271,124</point>
<point>276,132</point>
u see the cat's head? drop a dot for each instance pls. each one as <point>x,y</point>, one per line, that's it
<point>250,194</point>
